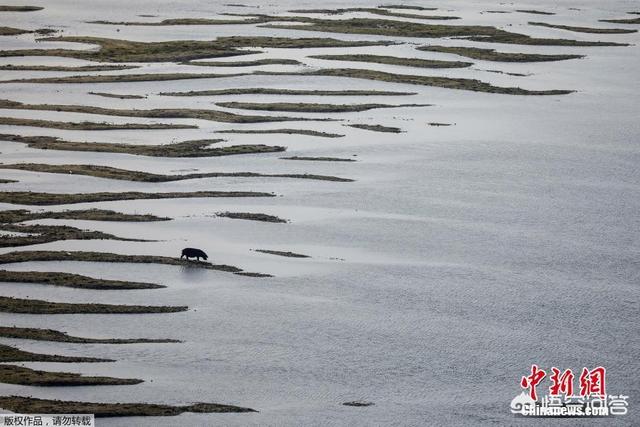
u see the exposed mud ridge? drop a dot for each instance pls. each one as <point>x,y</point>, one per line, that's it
<point>14,121</point>
<point>443,82</point>
<point>12,8</point>
<point>10,31</point>
<point>380,10</point>
<point>31,405</point>
<point>11,374</point>
<point>117,96</point>
<point>57,336</point>
<point>71,280</point>
<point>376,128</point>
<point>7,181</point>
<point>164,113</point>
<point>299,107</point>
<point>395,60</point>
<point>197,148</point>
<point>39,234</point>
<point>622,21</point>
<point>22,215</point>
<point>534,12</point>
<point>117,50</point>
<point>27,256</point>
<point>47,199</point>
<point>585,29</point>
<point>139,176</point>
<point>385,27</point>
<point>493,55</point>
<point>254,63</point>
<point>11,67</point>
<point>251,216</point>
<point>34,306</point>
<point>306,132</point>
<point>13,354</point>
<point>318,159</point>
<point>282,253</point>
<point>118,78</point>
<point>270,91</point>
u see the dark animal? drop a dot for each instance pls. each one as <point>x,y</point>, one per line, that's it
<point>193,253</point>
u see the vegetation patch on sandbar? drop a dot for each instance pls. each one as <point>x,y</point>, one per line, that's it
<point>15,121</point>
<point>318,159</point>
<point>32,405</point>
<point>10,31</point>
<point>118,50</point>
<point>28,256</point>
<point>165,113</point>
<point>22,215</point>
<point>254,63</point>
<point>443,82</point>
<point>116,95</point>
<point>57,336</point>
<point>185,21</point>
<point>34,306</point>
<point>39,234</point>
<point>385,27</point>
<point>12,8</point>
<point>11,67</point>
<point>376,128</point>
<point>307,132</point>
<point>585,29</point>
<point>12,374</point>
<point>70,280</point>
<point>282,253</point>
<point>299,107</point>
<point>197,148</point>
<point>375,11</point>
<point>493,55</point>
<point>129,175</point>
<point>117,78</point>
<point>268,91</point>
<point>35,198</point>
<point>394,60</point>
<point>251,216</point>
<point>13,354</point>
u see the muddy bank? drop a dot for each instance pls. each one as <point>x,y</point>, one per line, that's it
<point>117,96</point>
<point>376,128</point>
<point>12,8</point>
<point>13,354</point>
<point>311,108</point>
<point>394,60</point>
<point>268,91</point>
<point>63,68</point>
<point>305,132</point>
<point>70,280</point>
<point>493,55</point>
<point>288,254</point>
<point>34,306</point>
<point>319,159</point>
<point>22,215</point>
<point>11,374</point>
<point>39,234</point>
<point>12,121</point>
<point>251,216</point>
<point>57,336</point>
<point>254,63</point>
<point>197,148</point>
<point>585,29</point>
<point>31,405</point>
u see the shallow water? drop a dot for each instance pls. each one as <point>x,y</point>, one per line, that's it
<point>459,256</point>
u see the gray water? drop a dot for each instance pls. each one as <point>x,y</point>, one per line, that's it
<point>460,256</point>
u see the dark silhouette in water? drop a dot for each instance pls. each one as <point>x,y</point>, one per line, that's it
<point>193,253</point>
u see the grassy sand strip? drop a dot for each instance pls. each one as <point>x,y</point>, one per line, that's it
<point>12,8</point>
<point>255,63</point>
<point>299,107</point>
<point>47,199</point>
<point>165,113</point>
<point>385,27</point>
<point>34,306</point>
<point>39,234</point>
<point>10,31</point>
<point>268,91</point>
<point>57,336</point>
<point>306,132</point>
<point>13,354</point>
<point>585,29</point>
<point>117,96</point>
<point>22,215</point>
<point>129,175</point>
<point>70,280</point>
<point>394,60</point>
<point>282,253</point>
<point>11,67</point>
<point>318,159</point>
<point>443,82</point>
<point>13,121</point>
<point>31,405</point>
<point>118,50</point>
<point>11,374</point>
<point>117,78</point>
<point>27,256</point>
<point>493,55</point>
<point>197,148</point>
<point>251,216</point>
<point>376,128</point>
